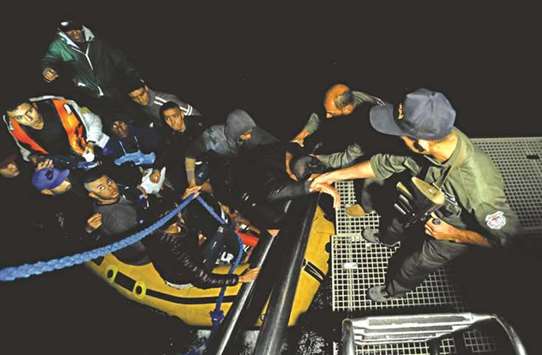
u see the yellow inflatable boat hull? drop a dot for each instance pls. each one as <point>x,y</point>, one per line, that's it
<point>193,305</point>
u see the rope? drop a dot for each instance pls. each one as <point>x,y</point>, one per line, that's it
<point>217,315</point>
<point>40,267</point>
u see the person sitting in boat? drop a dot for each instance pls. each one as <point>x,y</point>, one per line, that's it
<point>29,224</point>
<point>95,70</point>
<point>177,133</point>
<point>226,141</point>
<point>151,101</point>
<point>119,211</point>
<point>176,253</point>
<point>129,149</point>
<point>258,184</point>
<point>57,128</point>
<point>65,198</point>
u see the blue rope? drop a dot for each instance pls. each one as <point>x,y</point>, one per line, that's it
<point>27,270</point>
<point>217,315</point>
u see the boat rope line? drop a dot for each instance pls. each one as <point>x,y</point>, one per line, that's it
<point>217,315</point>
<point>26,270</point>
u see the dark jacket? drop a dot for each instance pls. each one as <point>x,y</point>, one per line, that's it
<point>173,145</point>
<point>178,260</point>
<point>145,140</point>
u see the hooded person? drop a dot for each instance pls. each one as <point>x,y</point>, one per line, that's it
<point>84,67</point>
<point>239,133</point>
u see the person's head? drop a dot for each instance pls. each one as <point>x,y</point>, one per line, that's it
<point>173,116</point>
<point>52,181</point>
<point>73,29</point>
<point>101,187</point>
<point>339,101</point>
<point>26,114</point>
<point>239,126</point>
<point>138,92</point>
<point>120,129</point>
<point>424,120</point>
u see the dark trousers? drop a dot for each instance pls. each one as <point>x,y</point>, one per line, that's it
<point>432,255</point>
<point>427,258</point>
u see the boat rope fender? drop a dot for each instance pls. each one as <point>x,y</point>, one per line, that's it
<point>26,270</point>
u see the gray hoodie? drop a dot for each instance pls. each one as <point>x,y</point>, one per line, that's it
<point>224,139</point>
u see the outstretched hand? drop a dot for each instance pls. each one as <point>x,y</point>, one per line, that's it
<point>45,164</point>
<point>195,189</point>
<point>329,190</point>
<point>441,230</point>
<point>249,275</point>
<point>49,74</point>
<point>326,179</point>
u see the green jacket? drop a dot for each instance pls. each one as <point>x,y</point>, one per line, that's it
<point>98,69</point>
<point>474,189</point>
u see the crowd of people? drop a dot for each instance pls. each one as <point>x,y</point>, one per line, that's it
<point>116,155</point>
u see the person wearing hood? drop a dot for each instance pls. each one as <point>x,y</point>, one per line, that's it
<point>96,69</point>
<point>239,133</point>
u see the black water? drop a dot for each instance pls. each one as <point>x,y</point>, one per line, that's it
<point>276,62</point>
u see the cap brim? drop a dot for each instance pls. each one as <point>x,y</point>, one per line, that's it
<point>382,120</point>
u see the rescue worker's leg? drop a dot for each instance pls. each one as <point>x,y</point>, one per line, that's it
<point>433,255</point>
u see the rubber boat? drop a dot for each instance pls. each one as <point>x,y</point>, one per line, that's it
<point>193,305</point>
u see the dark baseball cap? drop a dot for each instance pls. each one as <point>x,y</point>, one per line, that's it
<point>49,178</point>
<point>426,114</point>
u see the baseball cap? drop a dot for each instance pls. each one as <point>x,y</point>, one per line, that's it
<point>49,178</point>
<point>426,114</point>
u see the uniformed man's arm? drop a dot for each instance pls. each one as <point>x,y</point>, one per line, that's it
<point>310,127</point>
<point>497,220</point>
<point>361,170</point>
<point>444,231</point>
<point>364,97</point>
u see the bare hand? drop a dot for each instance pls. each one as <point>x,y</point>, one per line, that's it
<point>249,275</point>
<point>299,140</point>
<point>94,222</point>
<point>194,189</point>
<point>329,190</point>
<point>45,164</point>
<point>324,179</point>
<point>441,230</point>
<point>155,176</point>
<point>287,159</point>
<point>49,74</point>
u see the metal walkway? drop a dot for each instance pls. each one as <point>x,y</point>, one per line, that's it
<point>358,265</point>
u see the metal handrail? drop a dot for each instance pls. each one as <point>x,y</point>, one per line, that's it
<point>280,305</point>
<point>219,340</point>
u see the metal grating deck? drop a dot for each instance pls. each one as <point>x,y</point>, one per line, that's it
<point>520,163</point>
<point>358,265</point>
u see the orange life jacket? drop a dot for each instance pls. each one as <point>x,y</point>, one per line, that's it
<point>75,131</point>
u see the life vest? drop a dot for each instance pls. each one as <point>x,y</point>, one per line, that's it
<point>74,128</point>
